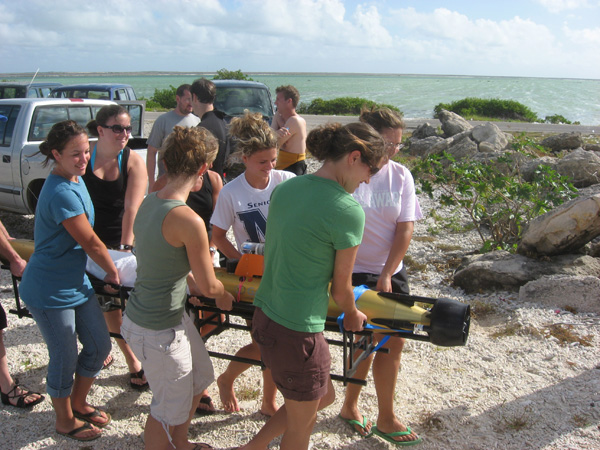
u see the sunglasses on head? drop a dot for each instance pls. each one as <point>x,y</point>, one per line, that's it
<point>118,128</point>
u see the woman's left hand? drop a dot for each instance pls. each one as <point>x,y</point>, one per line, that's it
<point>111,280</point>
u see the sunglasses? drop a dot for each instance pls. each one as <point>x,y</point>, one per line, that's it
<point>372,169</point>
<point>397,146</point>
<point>118,129</point>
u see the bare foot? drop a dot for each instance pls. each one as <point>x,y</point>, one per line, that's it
<point>228,398</point>
<point>267,409</point>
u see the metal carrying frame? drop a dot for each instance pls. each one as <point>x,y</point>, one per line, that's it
<point>220,321</point>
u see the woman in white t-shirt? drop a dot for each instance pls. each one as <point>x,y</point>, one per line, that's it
<point>243,205</point>
<point>391,208</point>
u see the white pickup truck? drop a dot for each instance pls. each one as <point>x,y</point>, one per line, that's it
<point>25,123</point>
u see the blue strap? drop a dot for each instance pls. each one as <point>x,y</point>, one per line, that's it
<point>358,291</point>
<point>93,158</point>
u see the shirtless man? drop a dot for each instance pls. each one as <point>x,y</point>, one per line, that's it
<point>291,131</point>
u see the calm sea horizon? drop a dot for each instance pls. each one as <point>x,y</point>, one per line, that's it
<point>415,95</point>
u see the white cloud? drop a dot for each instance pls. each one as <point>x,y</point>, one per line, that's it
<point>277,35</point>
<point>584,37</point>
<point>556,6</point>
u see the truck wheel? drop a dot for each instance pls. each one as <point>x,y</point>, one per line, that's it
<point>450,322</point>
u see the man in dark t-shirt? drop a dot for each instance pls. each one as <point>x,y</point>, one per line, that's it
<point>204,93</point>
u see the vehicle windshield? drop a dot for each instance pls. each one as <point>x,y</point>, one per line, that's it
<point>233,101</point>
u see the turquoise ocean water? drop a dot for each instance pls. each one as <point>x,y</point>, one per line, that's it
<point>415,95</point>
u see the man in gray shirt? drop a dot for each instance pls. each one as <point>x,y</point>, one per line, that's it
<point>182,116</point>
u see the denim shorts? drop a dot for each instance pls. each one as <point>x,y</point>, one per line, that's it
<point>60,328</point>
<point>176,364</point>
<point>300,362</point>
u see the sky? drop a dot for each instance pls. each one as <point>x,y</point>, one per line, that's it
<point>531,38</point>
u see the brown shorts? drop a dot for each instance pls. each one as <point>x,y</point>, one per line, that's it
<point>299,362</point>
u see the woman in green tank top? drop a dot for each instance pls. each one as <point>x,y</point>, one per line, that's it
<point>171,239</point>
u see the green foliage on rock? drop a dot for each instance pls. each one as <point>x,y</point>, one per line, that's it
<point>494,108</point>
<point>341,106</point>
<point>499,202</point>
<point>225,74</point>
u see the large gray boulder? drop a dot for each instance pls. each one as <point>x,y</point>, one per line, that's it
<point>490,138</point>
<point>581,167</point>
<point>424,131</point>
<point>502,270</point>
<point>421,147</point>
<point>563,141</point>
<point>464,148</point>
<point>563,291</point>
<point>452,123</point>
<point>565,229</point>
<point>529,168</point>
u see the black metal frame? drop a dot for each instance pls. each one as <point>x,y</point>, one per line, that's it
<point>221,322</point>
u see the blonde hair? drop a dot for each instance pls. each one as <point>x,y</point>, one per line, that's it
<point>252,134</point>
<point>186,149</point>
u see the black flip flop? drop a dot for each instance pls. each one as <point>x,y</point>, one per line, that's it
<point>73,433</point>
<point>208,402</point>
<point>138,376</point>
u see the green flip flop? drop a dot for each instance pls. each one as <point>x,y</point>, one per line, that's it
<point>355,423</point>
<point>390,436</point>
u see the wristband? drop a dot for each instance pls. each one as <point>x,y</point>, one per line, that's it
<point>125,247</point>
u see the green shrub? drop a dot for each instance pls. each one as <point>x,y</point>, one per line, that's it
<point>494,108</point>
<point>225,74</point>
<point>165,97</point>
<point>557,118</point>
<point>341,106</point>
<point>499,203</point>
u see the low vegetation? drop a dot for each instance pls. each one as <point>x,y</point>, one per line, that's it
<point>497,199</point>
<point>225,74</point>
<point>341,106</point>
<point>496,109</point>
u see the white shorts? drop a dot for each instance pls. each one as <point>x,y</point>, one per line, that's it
<point>176,364</point>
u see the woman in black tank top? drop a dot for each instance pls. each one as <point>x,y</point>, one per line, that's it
<point>116,179</point>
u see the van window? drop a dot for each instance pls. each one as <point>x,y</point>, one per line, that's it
<point>45,117</point>
<point>11,112</point>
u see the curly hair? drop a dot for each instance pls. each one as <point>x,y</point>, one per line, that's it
<point>252,134</point>
<point>332,141</point>
<point>186,149</point>
<point>381,118</point>
<point>59,136</point>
